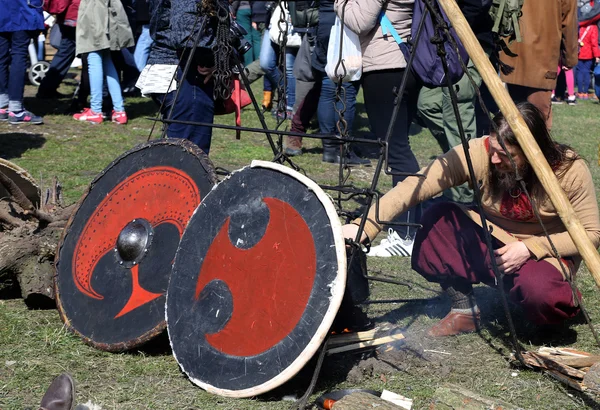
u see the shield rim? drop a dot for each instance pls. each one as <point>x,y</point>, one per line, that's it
<point>337,293</point>
<point>205,163</point>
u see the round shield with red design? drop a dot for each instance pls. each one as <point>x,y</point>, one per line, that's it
<point>115,257</point>
<point>257,281</point>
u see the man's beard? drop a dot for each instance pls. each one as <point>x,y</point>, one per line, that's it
<point>501,182</point>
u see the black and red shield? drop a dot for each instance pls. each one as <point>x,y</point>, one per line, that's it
<point>257,281</point>
<point>115,257</point>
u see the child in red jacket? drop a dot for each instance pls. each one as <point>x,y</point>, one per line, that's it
<point>588,52</point>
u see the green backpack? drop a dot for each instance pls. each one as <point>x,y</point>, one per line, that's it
<point>506,14</point>
<point>304,14</point>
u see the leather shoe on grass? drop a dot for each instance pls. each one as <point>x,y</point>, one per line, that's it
<point>456,323</point>
<point>60,394</point>
<point>293,145</point>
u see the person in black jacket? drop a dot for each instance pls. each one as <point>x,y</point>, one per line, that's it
<point>156,79</point>
<point>322,98</point>
<point>190,24</point>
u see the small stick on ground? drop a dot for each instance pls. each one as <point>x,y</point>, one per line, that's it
<point>370,343</point>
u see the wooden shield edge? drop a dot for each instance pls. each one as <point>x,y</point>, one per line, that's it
<point>337,288</point>
<point>120,347</point>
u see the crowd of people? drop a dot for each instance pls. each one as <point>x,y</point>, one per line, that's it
<point>149,43</point>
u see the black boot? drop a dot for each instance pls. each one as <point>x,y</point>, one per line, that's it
<point>60,394</point>
<point>331,154</point>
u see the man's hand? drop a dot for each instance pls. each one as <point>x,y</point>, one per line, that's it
<point>350,230</point>
<point>511,257</point>
<point>255,25</point>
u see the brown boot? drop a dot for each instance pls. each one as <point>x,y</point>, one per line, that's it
<point>267,102</point>
<point>293,146</point>
<point>456,323</point>
<point>60,394</point>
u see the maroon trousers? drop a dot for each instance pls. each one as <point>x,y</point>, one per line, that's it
<point>451,248</point>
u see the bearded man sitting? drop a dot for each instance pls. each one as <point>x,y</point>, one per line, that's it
<point>450,248</point>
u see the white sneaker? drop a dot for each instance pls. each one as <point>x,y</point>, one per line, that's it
<point>392,236</point>
<point>393,245</point>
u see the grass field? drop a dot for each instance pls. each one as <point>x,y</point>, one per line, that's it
<point>35,347</point>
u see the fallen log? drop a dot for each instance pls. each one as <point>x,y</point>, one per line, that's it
<point>30,232</point>
<point>362,401</point>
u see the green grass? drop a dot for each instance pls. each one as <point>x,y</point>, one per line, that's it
<point>35,347</point>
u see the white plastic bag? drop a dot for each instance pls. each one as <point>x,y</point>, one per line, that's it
<point>351,55</point>
<point>276,28</point>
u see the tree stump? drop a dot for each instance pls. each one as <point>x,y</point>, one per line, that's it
<point>30,228</point>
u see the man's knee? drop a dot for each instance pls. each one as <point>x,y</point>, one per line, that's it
<point>547,301</point>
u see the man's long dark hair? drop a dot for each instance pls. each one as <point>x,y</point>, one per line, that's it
<point>560,157</point>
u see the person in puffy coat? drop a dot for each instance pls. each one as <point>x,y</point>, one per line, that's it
<point>588,53</point>
<point>20,22</point>
<point>102,27</point>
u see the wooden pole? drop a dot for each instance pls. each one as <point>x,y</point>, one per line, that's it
<point>528,144</point>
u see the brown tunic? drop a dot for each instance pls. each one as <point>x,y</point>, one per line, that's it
<point>451,169</point>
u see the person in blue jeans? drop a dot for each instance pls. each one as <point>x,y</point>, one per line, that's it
<point>322,99</point>
<point>327,113</point>
<point>102,28</point>
<point>597,80</point>
<point>194,101</point>
<point>20,22</point>
<point>269,55</point>
<point>142,48</point>
<point>62,60</point>
<point>144,41</point>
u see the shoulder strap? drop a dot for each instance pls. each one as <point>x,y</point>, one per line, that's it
<point>388,28</point>
<point>584,33</point>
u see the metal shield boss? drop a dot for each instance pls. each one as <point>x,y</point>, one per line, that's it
<point>114,259</point>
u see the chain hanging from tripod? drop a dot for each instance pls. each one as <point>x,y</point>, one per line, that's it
<point>339,105</point>
<point>283,25</point>
<point>222,50</point>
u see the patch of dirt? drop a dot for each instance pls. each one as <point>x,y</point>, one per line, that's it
<point>415,354</point>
